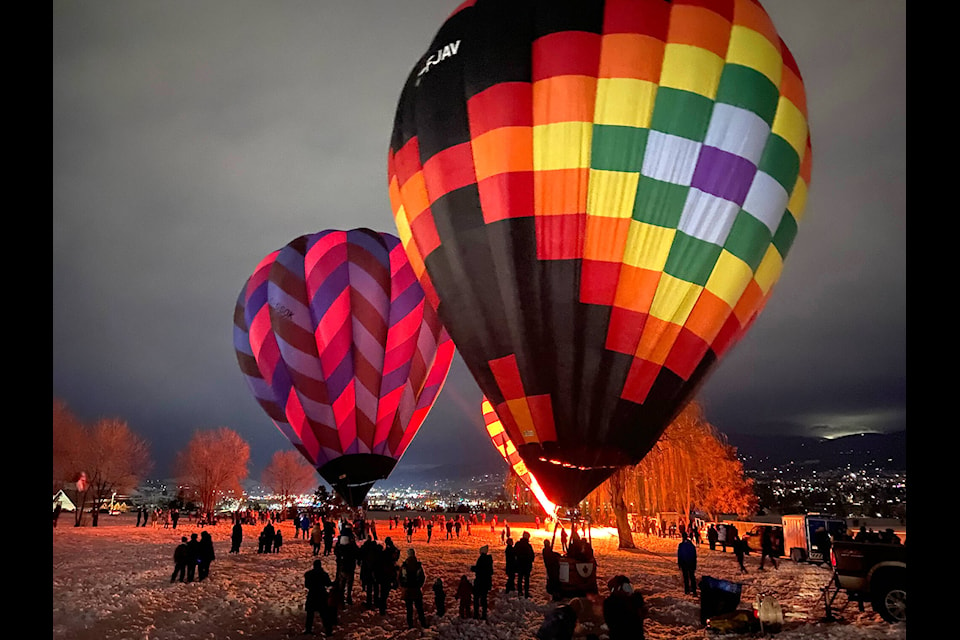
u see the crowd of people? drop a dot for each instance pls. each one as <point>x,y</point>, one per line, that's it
<point>357,549</point>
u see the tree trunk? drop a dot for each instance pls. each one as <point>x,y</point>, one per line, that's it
<point>620,511</point>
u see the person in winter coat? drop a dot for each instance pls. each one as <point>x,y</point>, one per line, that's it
<point>317,581</point>
<point>558,624</point>
<point>464,596</point>
<point>739,549</point>
<point>268,535</point>
<point>180,560</point>
<point>193,556</point>
<point>348,555</point>
<point>277,541</point>
<point>551,565</point>
<point>439,597</point>
<point>482,583</point>
<point>206,555</point>
<point>687,561</point>
<point>525,557</point>
<point>316,538</point>
<point>510,565</point>
<point>329,529</point>
<point>712,537</point>
<point>385,573</point>
<point>369,554</point>
<point>624,610</point>
<point>767,548</point>
<point>412,579</point>
<point>236,537</point>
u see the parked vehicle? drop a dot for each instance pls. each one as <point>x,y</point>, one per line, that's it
<point>870,571</point>
<point>801,535</point>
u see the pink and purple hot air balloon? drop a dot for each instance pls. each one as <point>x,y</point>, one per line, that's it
<point>339,347</point>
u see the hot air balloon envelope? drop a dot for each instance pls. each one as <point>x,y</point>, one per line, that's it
<point>338,346</point>
<point>598,198</point>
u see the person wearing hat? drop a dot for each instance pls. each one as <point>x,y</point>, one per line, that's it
<point>623,610</point>
<point>482,583</point>
<point>412,580</point>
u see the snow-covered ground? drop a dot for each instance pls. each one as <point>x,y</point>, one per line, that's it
<point>113,582</point>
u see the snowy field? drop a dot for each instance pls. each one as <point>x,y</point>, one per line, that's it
<point>113,582</point>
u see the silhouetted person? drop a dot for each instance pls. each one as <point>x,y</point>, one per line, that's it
<point>385,573</point>
<point>551,566</point>
<point>482,583</point>
<point>687,561</point>
<point>439,597</point>
<point>464,596</point>
<point>739,549</point>
<point>767,549</point>
<point>525,558</point>
<point>236,537</point>
<point>205,555</point>
<point>193,556</point>
<point>277,541</point>
<point>510,565</point>
<point>712,537</point>
<point>412,579</point>
<point>348,554</point>
<point>317,581</point>
<point>624,610</point>
<point>180,556</point>
<point>369,555</point>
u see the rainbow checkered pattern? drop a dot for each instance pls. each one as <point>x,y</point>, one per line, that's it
<point>598,197</point>
<point>340,349</point>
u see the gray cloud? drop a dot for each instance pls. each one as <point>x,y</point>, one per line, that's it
<point>191,139</point>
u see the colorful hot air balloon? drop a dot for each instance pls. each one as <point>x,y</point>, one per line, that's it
<point>508,450</point>
<point>598,198</point>
<point>339,347</point>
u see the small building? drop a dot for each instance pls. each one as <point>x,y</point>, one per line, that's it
<point>66,504</point>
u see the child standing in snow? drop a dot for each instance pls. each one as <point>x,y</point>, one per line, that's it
<point>440,598</point>
<point>464,596</point>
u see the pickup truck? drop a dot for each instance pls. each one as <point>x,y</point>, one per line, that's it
<point>872,571</point>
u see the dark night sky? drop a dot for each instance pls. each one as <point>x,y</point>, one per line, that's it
<point>190,139</point>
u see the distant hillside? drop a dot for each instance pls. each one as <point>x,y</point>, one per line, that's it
<point>762,453</point>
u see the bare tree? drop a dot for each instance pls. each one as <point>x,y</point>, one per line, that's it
<point>616,486</point>
<point>114,460</point>
<point>213,465</point>
<point>67,446</point>
<point>288,475</point>
<point>690,466</point>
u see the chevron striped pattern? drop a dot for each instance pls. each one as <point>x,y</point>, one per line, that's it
<point>337,345</point>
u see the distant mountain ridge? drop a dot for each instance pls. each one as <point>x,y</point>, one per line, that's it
<point>887,451</point>
<point>759,453</point>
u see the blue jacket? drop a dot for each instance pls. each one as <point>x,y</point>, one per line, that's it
<point>686,554</point>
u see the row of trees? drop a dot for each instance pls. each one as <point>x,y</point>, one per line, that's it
<point>691,467</point>
<point>97,461</point>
